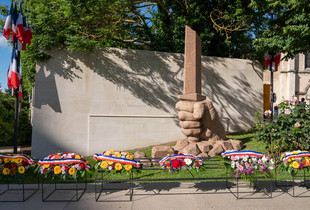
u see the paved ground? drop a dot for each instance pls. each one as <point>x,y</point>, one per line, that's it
<point>20,149</point>
<point>163,196</point>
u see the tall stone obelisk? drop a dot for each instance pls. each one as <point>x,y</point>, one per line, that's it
<point>192,67</point>
<point>199,120</point>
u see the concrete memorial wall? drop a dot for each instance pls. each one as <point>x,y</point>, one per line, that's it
<point>125,99</point>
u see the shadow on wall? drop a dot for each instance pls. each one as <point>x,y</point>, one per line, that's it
<point>146,76</point>
<point>50,146</point>
<point>47,95</point>
<point>150,77</point>
<point>238,97</point>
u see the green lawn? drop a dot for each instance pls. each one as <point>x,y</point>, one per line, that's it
<point>249,142</point>
<point>246,137</point>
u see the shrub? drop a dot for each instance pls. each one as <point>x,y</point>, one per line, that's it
<point>7,109</point>
<point>290,130</point>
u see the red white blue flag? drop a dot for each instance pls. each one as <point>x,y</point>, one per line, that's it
<point>20,90</point>
<point>7,25</point>
<point>21,35</point>
<point>20,25</point>
<point>14,74</point>
<point>14,22</point>
<point>9,76</point>
<point>271,60</point>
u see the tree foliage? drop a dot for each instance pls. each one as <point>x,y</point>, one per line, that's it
<point>229,37</point>
<point>286,27</point>
<point>228,28</point>
<point>7,110</point>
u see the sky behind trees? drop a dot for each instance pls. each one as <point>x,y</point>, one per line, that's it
<point>5,52</point>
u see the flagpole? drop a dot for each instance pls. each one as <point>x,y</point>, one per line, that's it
<point>16,120</point>
<point>271,78</point>
<point>16,23</point>
<point>271,86</point>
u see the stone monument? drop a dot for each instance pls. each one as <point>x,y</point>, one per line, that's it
<point>198,118</point>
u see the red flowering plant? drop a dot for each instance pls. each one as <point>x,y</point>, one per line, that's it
<point>63,165</point>
<point>15,166</point>
<point>181,162</point>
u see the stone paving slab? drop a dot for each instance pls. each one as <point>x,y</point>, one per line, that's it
<point>170,196</point>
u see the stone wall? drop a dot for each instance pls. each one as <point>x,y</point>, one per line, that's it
<point>125,99</point>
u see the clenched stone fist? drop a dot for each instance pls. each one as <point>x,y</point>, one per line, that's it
<point>199,121</point>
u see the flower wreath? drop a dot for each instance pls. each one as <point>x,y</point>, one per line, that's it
<point>181,162</point>
<point>112,161</point>
<point>63,164</point>
<point>14,165</point>
<point>295,161</point>
<point>247,164</point>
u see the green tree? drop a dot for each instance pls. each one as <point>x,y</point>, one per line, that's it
<point>286,27</point>
<point>228,28</point>
<point>7,119</point>
<point>76,24</point>
<point>223,26</point>
<point>7,110</point>
<point>153,25</point>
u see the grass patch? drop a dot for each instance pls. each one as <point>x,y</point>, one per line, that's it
<point>246,137</point>
<point>248,141</point>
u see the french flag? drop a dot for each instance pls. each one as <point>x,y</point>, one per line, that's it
<point>9,72</point>
<point>7,25</point>
<point>14,22</point>
<point>270,60</point>
<point>20,90</point>
<point>19,45</point>
<point>9,77</point>
<point>20,25</point>
<point>14,71</point>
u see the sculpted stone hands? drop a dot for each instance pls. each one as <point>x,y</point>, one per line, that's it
<point>199,121</point>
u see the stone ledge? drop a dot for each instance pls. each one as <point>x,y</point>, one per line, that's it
<point>192,97</point>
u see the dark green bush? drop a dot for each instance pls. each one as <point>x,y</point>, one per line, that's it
<point>7,109</point>
<point>288,131</point>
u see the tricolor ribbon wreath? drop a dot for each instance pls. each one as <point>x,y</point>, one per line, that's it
<point>50,161</point>
<point>290,155</point>
<point>24,157</point>
<point>249,153</point>
<point>116,160</point>
<point>172,157</point>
